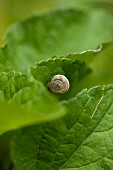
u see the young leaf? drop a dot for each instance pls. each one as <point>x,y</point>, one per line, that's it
<point>56,33</point>
<point>81,140</point>
<point>24,103</point>
<point>74,70</point>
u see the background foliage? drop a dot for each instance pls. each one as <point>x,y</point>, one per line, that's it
<point>12,11</point>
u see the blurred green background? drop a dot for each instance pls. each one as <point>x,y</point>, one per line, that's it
<point>12,11</point>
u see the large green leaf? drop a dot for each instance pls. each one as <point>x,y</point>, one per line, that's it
<point>82,140</point>
<point>56,33</point>
<point>24,103</point>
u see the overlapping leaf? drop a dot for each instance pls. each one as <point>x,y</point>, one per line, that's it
<point>80,140</point>
<point>24,103</point>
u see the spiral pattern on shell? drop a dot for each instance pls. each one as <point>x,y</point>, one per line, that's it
<point>59,84</point>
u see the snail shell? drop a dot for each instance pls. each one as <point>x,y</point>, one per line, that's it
<point>59,84</point>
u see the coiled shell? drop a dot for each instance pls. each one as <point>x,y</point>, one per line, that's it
<point>59,84</point>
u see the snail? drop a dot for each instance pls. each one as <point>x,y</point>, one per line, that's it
<point>59,84</point>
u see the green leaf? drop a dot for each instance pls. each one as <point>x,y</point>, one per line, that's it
<point>74,70</point>
<point>24,103</point>
<point>11,82</point>
<point>56,33</point>
<point>74,66</point>
<point>80,140</point>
